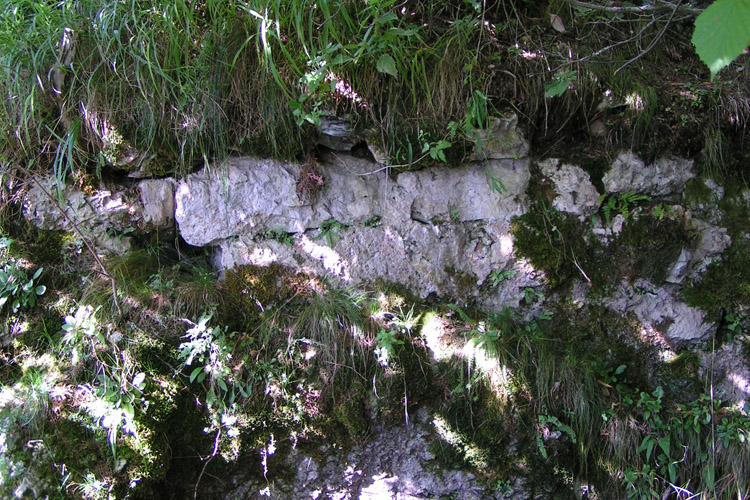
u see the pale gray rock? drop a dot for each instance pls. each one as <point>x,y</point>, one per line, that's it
<point>658,309</point>
<point>157,199</point>
<point>441,231</point>
<point>665,177</point>
<point>336,133</point>
<point>241,195</point>
<point>104,217</point>
<point>502,140</point>
<point>713,240</point>
<point>679,270</point>
<point>575,193</point>
<point>101,218</point>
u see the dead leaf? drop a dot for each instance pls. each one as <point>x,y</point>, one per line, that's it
<point>557,23</point>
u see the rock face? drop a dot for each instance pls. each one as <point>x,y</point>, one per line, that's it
<point>657,308</point>
<point>396,463</point>
<point>500,141</point>
<point>575,194</point>
<point>438,230</point>
<point>665,177</point>
<point>105,216</point>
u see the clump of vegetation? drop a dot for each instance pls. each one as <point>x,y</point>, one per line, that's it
<point>566,249</point>
<point>154,88</point>
<point>725,284</point>
<point>560,245</point>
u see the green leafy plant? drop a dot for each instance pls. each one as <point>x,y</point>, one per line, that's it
<point>560,84</point>
<point>436,149</point>
<point>373,221</point>
<point>484,339</point>
<point>499,275</point>
<point>476,119</point>
<point>81,334</point>
<point>544,423</point>
<point>661,211</point>
<point>330,230</point>
<point>208,351</point>
<point>16,287</point>
<point>621,203</point>
<point>735,325</point>
<point>385,345</point>
<point>496,184</point>
<point>118,396</point>
<point>532,295</point>
<point>278,234</point>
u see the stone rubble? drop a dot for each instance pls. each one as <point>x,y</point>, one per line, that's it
<point>395,464</point>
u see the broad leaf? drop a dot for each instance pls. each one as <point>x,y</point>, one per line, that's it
<point>386,64</point>
<point>722,32</point>
<point>139,380</point>
<point>195,373</point>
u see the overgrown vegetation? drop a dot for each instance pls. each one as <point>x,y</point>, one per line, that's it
<point>156,88</point>
<point>207,371</point>
<point>148,376</point>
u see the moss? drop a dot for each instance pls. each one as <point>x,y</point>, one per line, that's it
<point>696,191</point>
<point>680,376</point>
<point>77,446</point>
<point>648,247</point>
<point>41,247</point>
<point>248,291</point>
<point>565,249</point>
<point>725,284</point>
<point>349,413</point>
<point>560,245</point>
<point>473,429</point>
<point>735,214</point>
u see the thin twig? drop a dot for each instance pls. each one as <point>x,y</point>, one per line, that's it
<point>83,238</point>
<point>208,460</point>
<point>655,41</point>
<point>617,44</point>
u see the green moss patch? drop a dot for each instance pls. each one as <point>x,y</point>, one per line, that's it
<point>725,285</point>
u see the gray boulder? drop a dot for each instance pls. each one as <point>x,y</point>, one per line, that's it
<point>575,194</point>
<point>665,177</point>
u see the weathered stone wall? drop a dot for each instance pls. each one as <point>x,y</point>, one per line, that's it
<point>439,231</point>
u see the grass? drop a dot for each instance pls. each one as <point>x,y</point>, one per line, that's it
<point>167,88</point>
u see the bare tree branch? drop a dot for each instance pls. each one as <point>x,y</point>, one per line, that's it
<point>618,8</point>
<point>655,41</point>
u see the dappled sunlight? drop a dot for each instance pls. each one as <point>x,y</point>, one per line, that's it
<point>329,258</point>
<point>740,382</point>
<point>433,331</point>
<point>470,451</point>
<point>650,335</point>
<point>506,245</point>
<point>481,352</point>
<point>259,256</point>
